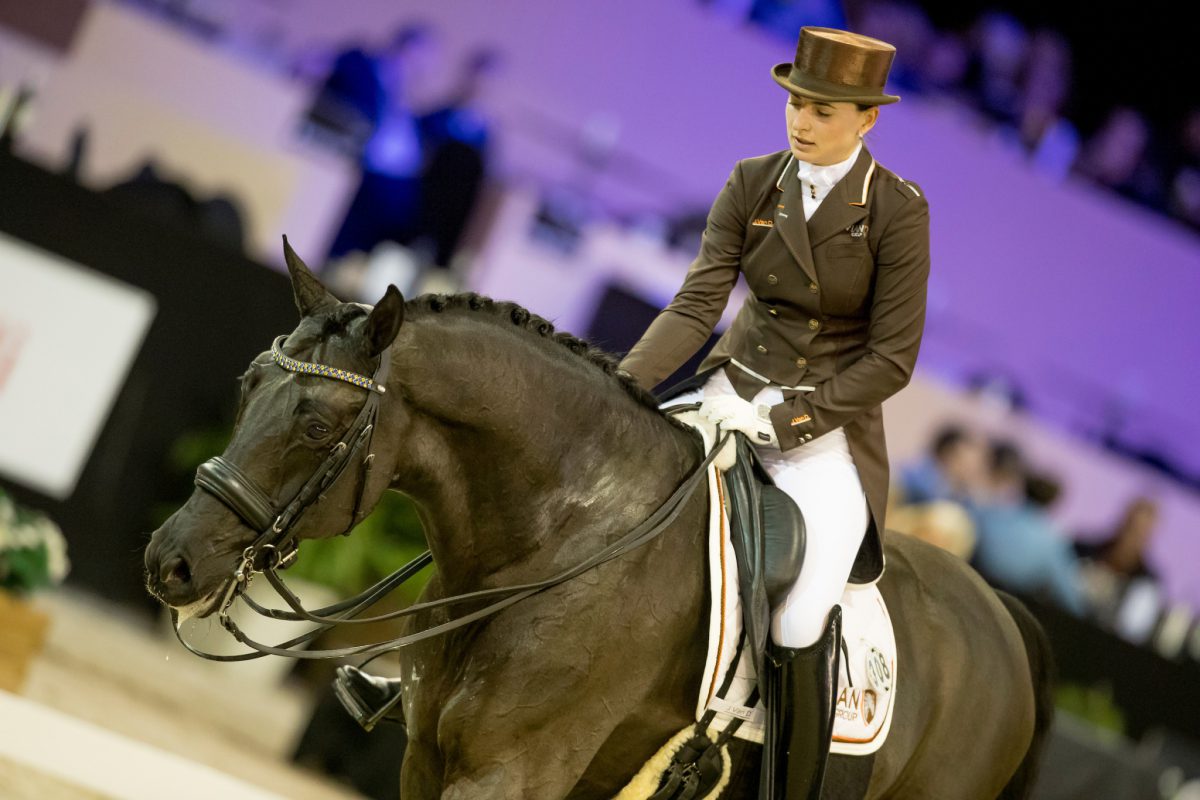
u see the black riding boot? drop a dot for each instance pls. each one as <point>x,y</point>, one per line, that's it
<point>800,690</point>
<point>367,698</point>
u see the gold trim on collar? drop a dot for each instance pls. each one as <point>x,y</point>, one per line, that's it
<point>779,183</point>
<point>866,185</point>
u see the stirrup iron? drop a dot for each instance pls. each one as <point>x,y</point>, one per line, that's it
<point>367,698</point>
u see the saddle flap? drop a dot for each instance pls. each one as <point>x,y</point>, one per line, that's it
<point>784,542</point>
<point>767,530</point>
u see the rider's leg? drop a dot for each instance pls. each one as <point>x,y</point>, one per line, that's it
<point>821,477</point>
<point>803,662</point>
<point>824,483</point>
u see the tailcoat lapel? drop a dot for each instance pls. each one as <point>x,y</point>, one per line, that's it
<point>846,203</point>
<point>789,218</point>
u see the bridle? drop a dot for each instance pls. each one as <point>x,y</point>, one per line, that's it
<point>276,546</point>
<point>275,524</point>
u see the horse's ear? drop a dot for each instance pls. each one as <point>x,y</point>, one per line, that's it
<point>311,294</point>
<point>384,321</point>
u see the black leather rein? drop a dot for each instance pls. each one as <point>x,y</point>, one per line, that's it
<point>276,537</point>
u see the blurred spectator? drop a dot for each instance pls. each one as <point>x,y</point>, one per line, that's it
<point>1118,156</point>
<point>385,207</point>
<point>953,467</point>
<point>1017,545</point>
<point>1123,551</point>
<point>786,17</point>
<point>941,523</point>
<point>1022,82</point>
<point>944,69</point>
<point>455,139</point>
<point>1122,589</point>
<point>1185,184</point>
<point>908,28</point>
<point>997,390</point>
<point>1045,134</point>
<point>1002,47</point>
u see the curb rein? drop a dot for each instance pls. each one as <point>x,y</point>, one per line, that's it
<point>276,546</point>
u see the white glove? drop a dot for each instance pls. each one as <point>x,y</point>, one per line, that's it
<point>732,413</point>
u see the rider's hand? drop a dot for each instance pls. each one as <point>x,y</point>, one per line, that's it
<point>732,413</point>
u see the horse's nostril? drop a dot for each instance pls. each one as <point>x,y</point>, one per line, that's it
<point>175,572</point>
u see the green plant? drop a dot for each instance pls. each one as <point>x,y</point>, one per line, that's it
<point>33,553</point>
<point>1093,704</point>
<point>389,538</point>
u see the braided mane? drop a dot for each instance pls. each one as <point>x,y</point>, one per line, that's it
<point>523,318</point>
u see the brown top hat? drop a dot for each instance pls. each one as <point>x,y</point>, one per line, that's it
<point>838,66</point>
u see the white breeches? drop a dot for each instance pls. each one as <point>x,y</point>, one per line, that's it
<point>821,477</point>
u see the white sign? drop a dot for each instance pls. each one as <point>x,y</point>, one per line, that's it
<point>67,338</point>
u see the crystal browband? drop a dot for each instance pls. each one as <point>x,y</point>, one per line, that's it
<point>323,370</point>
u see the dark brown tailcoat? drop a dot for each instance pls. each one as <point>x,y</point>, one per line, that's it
<point>837,304</point>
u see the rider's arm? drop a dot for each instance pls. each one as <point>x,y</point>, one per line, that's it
<point>685,325</point>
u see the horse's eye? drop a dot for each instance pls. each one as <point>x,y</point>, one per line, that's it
<point>317,431</point>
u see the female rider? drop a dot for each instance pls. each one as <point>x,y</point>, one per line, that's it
<point>835,251</point>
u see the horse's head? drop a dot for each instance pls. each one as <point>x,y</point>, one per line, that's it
<point>297,466</point>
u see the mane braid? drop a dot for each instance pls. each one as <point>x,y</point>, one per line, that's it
<point>523,318</point>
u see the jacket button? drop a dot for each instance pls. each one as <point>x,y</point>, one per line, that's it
<point>812,287</point>
<point>813,324</point>
<point>773,312</point>
<point>771,279</point>
<point>762,349</point>
<point>801,362</point>
<point>807,437</point>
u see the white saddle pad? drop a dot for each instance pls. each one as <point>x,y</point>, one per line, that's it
<point>867,680</point>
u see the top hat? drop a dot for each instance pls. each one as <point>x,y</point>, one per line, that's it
<point>838,66</point>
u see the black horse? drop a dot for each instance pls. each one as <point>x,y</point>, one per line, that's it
<point>526,453</point>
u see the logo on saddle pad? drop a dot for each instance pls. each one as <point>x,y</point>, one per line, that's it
<point>853,702</point>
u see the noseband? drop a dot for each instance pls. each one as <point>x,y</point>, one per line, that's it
<point>276,545</point>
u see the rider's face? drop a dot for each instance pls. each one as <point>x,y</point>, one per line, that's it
<point>825,133</point>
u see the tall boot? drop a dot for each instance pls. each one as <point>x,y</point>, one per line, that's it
<point>368,698</point>
<point>799,692</point>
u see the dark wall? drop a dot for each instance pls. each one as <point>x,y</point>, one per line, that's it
<point>216,311</point>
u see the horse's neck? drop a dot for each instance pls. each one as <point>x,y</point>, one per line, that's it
<point>500,510</point>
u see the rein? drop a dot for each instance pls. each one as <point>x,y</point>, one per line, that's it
<point>276,546</point>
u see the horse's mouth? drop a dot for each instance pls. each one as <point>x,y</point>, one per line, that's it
<point>201,608</point>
